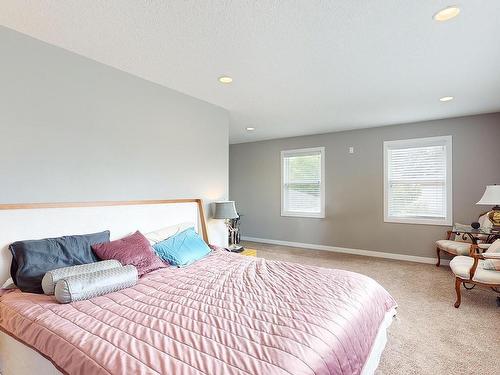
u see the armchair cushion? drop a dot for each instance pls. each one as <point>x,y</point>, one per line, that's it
<point>454,247</point>
<point>492,264</point>
<point>492,257</point>
<point>461,266</point>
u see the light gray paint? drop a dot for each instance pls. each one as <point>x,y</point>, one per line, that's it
<point>299,67</point>
<point>354,185</point>
<point>73,129</point>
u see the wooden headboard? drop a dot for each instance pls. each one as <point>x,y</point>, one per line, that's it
<point>26,221</point>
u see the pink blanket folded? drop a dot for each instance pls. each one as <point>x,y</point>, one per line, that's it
<point>225,314</point>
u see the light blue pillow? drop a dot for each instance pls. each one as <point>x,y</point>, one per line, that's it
<point>182,249</point>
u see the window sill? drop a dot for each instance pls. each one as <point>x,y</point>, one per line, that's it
<point>303,214</point>
<point>397,220</point>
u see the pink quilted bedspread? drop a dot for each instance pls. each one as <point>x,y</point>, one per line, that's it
<point>225,314</point>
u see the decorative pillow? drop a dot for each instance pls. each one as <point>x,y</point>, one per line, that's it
<point>32,259</point>
<point>182,249</point>
<point>167,232</point>
<point>52,277</point>
<point>9,284</point>
<point>134,249</point>
<point>492,257</point>
<point>89,285</point>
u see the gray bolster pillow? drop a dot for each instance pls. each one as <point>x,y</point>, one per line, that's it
<point>89,285</point>
<point>52,277</point>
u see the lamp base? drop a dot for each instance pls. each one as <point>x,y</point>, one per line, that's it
<point>494,216</point>
<point>235,248</point>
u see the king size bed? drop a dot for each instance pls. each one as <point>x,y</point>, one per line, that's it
<point>223,314</point>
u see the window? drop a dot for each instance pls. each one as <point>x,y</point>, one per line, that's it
<point>417,181</point>
<point>302,182</point>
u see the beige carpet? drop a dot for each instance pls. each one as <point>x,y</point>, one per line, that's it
<point>429,336</point>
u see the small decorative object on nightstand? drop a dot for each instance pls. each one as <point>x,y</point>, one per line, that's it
<point>227,210</point>
<point>491,196</point>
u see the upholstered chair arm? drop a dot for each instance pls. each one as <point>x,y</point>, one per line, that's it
<point>484,246</point>
<point>491,255</point>
<point>474,252</point>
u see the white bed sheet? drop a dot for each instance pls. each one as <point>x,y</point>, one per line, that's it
<point>373,360</point>
<point>19,359</point>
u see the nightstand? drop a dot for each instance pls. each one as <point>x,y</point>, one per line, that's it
<point>249,252</point>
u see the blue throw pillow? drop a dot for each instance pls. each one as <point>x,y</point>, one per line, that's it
<point>182,249</point>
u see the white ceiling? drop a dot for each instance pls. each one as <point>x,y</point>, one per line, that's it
<point>299,66</point>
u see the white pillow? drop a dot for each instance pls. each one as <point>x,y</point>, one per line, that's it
<point>492,257</point>
<point>494,247</point>
<point>89,285</point>
<point>167,232</point>
<point>51,278</point>
<point>9,284</point>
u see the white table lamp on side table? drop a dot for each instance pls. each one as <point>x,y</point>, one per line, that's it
<point>227,210</point>
<point>491,197</point>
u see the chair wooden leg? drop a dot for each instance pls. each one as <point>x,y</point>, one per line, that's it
<point>439,257</point>
<point>458,282</point>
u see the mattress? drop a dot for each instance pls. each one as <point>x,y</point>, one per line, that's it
<point>225,314</point>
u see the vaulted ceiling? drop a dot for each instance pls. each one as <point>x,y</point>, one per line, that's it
<point>298,67</point>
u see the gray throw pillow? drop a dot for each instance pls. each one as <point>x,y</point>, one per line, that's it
<point>31,259</point>
<point>52,277</point>
<point>89,285</point>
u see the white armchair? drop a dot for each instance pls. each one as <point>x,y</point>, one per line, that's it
<point>478,268</point>
<point>455,244</point>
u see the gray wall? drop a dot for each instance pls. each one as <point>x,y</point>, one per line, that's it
<point>354,185</point>
<point>73,129</point>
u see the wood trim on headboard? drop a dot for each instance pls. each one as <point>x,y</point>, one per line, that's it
<point>28,206</point>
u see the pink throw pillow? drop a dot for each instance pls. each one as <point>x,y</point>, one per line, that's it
<point>134,249</point>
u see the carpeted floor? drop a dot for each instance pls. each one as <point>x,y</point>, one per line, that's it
<point>429,336</point>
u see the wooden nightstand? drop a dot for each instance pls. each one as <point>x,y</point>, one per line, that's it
<point>249,252</point>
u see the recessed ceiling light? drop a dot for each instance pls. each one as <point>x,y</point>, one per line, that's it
<point>446,98</point>
<point>225,79</point>
<point>447,13</point>
<point>250,129</point>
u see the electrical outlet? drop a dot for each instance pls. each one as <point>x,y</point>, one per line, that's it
<point>351,150</point>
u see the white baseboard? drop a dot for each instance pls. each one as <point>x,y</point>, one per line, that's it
<point>345,250</point>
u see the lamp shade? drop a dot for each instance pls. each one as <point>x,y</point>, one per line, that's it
<point>225,210</point>
<point>491,195</point>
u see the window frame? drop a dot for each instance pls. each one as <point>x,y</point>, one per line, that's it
<point>447,140</point>
<point>299,152</point>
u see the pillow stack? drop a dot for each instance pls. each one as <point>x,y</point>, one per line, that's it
<point>88,285</point>
<point>76,283</point>
<point>51,278</point>
<point>69,267</point>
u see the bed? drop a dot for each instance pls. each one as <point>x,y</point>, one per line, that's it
<point>224,314</point>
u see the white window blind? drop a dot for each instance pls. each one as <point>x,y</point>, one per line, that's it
<point>418,181</point>
<point>302,185</point>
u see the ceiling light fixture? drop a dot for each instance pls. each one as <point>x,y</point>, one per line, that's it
<point>225,79</point>
<point>447,14</point>
<point>250,129</point>
<point>446,98</point>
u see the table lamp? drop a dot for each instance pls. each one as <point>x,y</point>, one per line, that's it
<point>490,197</point>
<point>227,210</point>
